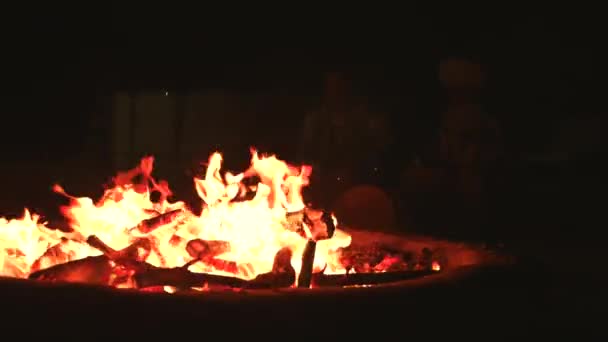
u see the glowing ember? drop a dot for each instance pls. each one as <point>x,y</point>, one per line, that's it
<point>435,266</point>
<point>239,237</point>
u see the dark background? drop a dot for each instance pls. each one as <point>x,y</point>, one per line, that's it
<point>546,68</point>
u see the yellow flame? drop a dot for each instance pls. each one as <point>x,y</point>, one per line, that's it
<point>254,228</point>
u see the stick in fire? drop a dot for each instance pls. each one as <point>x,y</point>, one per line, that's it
<point>314,225</point>
<point>148,225</point>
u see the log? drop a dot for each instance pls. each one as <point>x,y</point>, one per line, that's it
<point>282,274</point>
<point>98,270</point>
<point>201,249</point>
<point>314,225</point>
<point>359,279</point>
<point>148,225</point>
<point>319,223</point>
<point>308,258</point>
<point>180,277</point>
<point>52,256</point>
<point>294,221</point>
<point>205,251</point>
<point>139,250</point>
<point>91,270</point>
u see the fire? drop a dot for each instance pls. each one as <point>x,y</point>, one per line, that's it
<point>435,266</point>
<point>254,227</point>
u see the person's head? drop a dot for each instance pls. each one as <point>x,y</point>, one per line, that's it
<point>461,77</point>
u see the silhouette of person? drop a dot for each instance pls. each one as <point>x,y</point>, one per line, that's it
<point>344,140</point>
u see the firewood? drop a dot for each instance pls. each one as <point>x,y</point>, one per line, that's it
<point>315,225</point>
<point>282,274</point>
<point>205,251</point>
<point>52,256</point>
<point>308,258</point>
<point>319,223</point>
<point>359,279</point>
<point>294,221</point>
<point>200,249</point>
<point>92,270</point>
<point>139,250</point>
<point>223,265</point>
<point>180,277</point>
<point>148,225</point>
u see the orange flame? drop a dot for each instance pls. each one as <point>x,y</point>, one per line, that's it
<point>254,228</point>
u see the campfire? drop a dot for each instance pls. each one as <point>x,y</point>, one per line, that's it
<point>254,231</point>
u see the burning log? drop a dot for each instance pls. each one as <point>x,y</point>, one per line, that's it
<point>92,270</point>
<point>148,225</point>
<point>53,255</point>
<point>320,223</point>
<point>360,279</point>
<point>180,277</point>
<point>201,249</point>
<point>137,251</point>
<point>96,270</point>
<point>294,221</point>
<point>315,225</point>
<point>282,274</point>
<point>308,258</point>
<point>206,250</point>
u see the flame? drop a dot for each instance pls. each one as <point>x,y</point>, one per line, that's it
<point>254,228</point>
<point>435,266</point>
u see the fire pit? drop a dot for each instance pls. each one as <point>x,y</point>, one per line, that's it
<point>255,246</point>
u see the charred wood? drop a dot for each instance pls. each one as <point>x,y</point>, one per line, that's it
<point>201,249</point>
<point>294,221</point>
<point>314,225</point>
<point>52,256</point>
<point>205,251</point>
<point>137,251</point>
<point>308,259</point>
<point>92,270</point>
<point>148,225</point>
<point>319,223</point>
<point>359,279</point>
<point>282,274</point>
<point>180,277</point>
